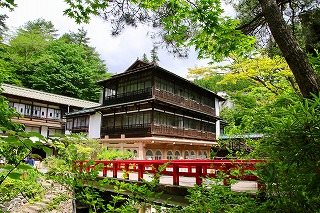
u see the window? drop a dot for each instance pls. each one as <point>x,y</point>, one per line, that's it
<point>57,113</point>
<point>158,155</point>
<point>11,104</point>
<point>186,155</point>
<point>169,155</point>
<point>200,155</point>
<point>149,155</point>
<point>192,155</point>
<point>177,155</point>
<point>205,155</point>
<point>135,153</point>
<point>27,110</point>
<point>69,124</point>
<point>36,111</point>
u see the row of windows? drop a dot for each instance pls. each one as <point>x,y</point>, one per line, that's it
<point>130,84</point>
<point>158,155</point>
<point>128,119</point>
<point>165,119</point>
<point>36,111</point>
<point>187,93</point>
<point>76,123</point>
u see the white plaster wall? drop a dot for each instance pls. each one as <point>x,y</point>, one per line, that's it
<point>43,110</point>
<point>52,113</point>
<point>44,131</point>
<point>94,125</point>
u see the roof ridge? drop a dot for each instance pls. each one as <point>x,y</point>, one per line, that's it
<point>53,94</point>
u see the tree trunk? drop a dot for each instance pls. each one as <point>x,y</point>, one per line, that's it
<point>296,58</point>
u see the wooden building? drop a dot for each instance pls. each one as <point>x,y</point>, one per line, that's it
<point>42,112</point>
<point>156,114</point>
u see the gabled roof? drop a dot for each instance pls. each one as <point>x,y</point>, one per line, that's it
<point>45,96</point>
<point>137,65</point>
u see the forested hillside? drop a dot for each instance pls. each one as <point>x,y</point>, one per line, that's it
<point>35,56</point>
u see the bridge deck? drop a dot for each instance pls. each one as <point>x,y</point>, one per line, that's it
<point>239,186</point>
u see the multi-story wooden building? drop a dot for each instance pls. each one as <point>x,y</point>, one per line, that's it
<point>156,114</point>
<point>42,112</point>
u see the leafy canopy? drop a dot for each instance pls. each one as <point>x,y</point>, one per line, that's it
<point>38,59</point>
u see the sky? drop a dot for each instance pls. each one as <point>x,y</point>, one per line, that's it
<point>117,52</point>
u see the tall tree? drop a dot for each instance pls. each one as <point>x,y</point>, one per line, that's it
<point>201,23</point>
<point>154,55</point>
<point>37,59</point>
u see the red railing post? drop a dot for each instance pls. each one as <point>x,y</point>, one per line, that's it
<point>104,171</point>
<point>115,169</point>
<point>205,171</point>
<point>126,171</point>
<point>140,171</point>
<point>175,174</point>
<point>198,175</point>
<point>226,177</point>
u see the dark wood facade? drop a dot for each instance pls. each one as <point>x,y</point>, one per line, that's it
<point>147,100</point>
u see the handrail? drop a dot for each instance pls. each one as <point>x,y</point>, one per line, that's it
<point>194,168</point>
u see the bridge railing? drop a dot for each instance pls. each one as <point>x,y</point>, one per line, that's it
<point>177,168</point>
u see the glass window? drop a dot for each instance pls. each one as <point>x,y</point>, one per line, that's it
<point>27,110</point>
<point>149,155</point>
<point>69,124</point>
<point>169,155</point>
<point>177,155</point>
<point>192,155</point>
<point>186,155</point>
<point>158,155</point>
<point>36,111</point>
<point>57,113</point>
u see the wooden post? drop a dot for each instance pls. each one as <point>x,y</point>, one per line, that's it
<point>126,171</point>
<point>140,171</point>
<point>175,174</point>
<point>115,169</point>
<point>104,171</point>
<point>198,175</point>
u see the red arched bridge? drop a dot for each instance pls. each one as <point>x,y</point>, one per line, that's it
<point>174,170</point>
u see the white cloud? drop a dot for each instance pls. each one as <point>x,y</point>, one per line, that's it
<point>118,52</point>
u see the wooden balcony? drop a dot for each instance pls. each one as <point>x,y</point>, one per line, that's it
<point>181,101</point>
<point>134,130</point>
<point>185,133</point>
<point>128,96</point>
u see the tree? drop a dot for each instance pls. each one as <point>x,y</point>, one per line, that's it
<point>145,58</point>
<point>200,23</point>
<point>154,55</point>
<point>68,69</point>
<point>37,59</point>
<point>258,87</point>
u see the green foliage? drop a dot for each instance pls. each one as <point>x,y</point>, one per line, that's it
<point>182,23</point>
<point>37,59</point>
<point>218,198</point>
<point>57,200</point>
<point>292,148</point>
<point>26,184</point>
<point>110,154</point>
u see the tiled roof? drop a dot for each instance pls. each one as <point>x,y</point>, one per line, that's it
<point>45,96</point>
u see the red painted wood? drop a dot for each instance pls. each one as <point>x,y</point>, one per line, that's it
<point>115,169</point>
<point>188,168</point>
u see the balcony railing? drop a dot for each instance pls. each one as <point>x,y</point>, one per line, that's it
<point>186,133</point>
<point>181,101</point>
<point>41,118</point>
<point>134,129</point>
<point>129,96</point>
